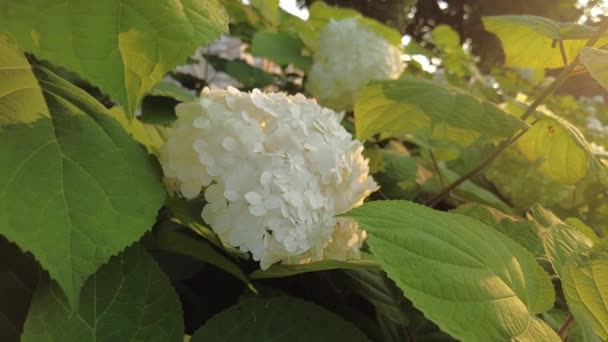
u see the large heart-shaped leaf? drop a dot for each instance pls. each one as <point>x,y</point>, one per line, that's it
<point>429,110</point>
<point>279,319</point>
<point>472,281</point>
<point>122,46</point>
<point>75,188</point>
<point>129,299</point>
<point>532,42</point>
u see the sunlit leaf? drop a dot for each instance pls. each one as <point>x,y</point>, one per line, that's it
<point>123,47</point>
<point>461,273</point>
<point>560,148</point>
<point>430,110</point>
<point>532,42</point>
<point>585,284</point>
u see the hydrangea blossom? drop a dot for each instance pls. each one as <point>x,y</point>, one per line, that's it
<point>348,56</point>
<point>275,170</point>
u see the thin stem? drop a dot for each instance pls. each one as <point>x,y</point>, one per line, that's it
<point>506,143</point>
<point>564,328</point>
<point>563,51</point>
<point>437,170</point>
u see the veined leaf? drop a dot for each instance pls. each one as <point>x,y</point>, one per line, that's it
<point>522,231</point>
<point>532,42</point>
<point>128,299</point>
<point>124,47</point>
<point>560,241</point>
<point>585,284</point>
<point>75,189</point>
<point>596,61</point>
<point>560,148</point>
<point>461,273</point>
<point>279,319</point>
<point>427,109</point>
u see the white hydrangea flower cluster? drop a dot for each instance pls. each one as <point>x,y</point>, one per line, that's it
<point>348,56</point>
<point>276,169</point>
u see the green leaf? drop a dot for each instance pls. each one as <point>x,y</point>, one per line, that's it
<point>462,274</point>
<point>585,284</point>
<point>429,110</point>
<point>75,189</point>
<point>560,241</point>
<point>582,227</point>
<point>520,230</point>
<point>279,270</point>
<point>596,61</point>
<point>173,239</point>
<point>128,299</point>
<point>123,47</point>
<point>277,319</point>
<point>151,136</point>
<point>248,75</point>
<point>560,148</point>
<point>19,275</point>
<point>473,192</point>
<point>158,110</point>
<point>269,10</point>
<point>172,90</point>
<point>446,37</point>
<point>531,42</point>
<point>400,176</point>
<point>523,184</point>
<point>280,47</point>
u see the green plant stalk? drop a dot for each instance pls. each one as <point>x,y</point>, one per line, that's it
<point>563,76</point>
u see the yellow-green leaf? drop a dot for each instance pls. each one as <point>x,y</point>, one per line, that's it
<point>431,111</point>
<point>532,42</point>
<point>585,284</point>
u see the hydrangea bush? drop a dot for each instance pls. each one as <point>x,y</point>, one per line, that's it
<point>220,171</point>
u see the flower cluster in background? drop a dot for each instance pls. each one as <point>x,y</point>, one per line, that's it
<point>348,56</point>
<point>275,170</point>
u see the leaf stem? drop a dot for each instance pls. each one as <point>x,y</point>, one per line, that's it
<point>563,52</point>
<point>531,108</point>
<point>564,328</point>
<point>436,167</point>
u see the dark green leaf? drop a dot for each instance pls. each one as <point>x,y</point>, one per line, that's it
<point>128,299</point>
<point>75,188</point>
<point>278,319</point>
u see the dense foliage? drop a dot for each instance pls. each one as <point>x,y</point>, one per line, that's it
<point>413,193</point>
